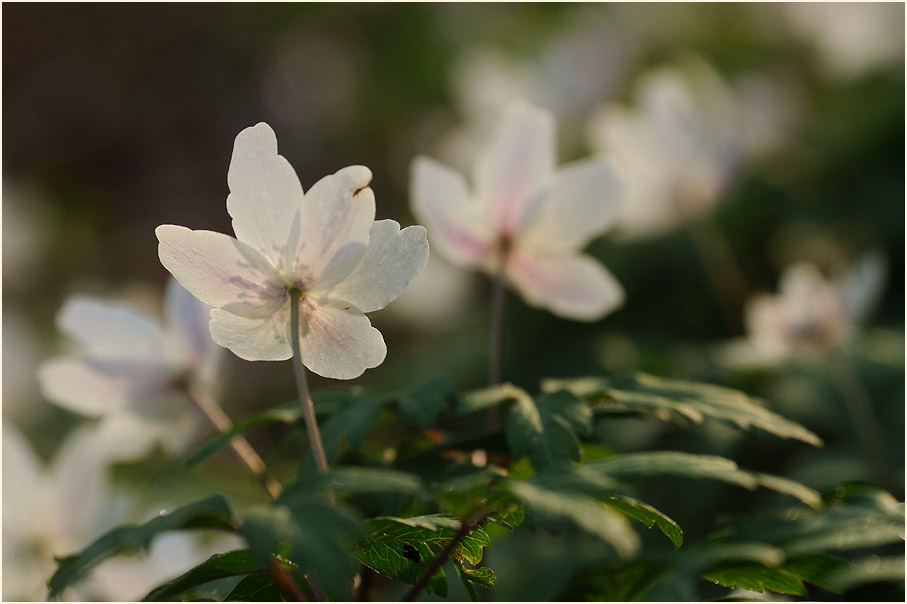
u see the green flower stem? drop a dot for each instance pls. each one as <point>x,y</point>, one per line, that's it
<point>308,408</point>
<point>209,407</point>
<point>498,297</point>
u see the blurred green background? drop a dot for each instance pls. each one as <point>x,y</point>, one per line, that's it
<point>118,118</point>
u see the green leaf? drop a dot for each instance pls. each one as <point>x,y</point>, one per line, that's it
<point>700,466</point>
<point>546,429</point>
<point>212,512</point>
<point>691,401</point>
<point>402,548</point>
<point>479,400</point>
<point>589,514</point>
<point>283,414</point>
<point>758,578</point>
<point>354,419</point>
<point>345,480</point>
<point>256,588</point>
<point>648,515</point>
<point>218,566</point>
<point>868,570</point>
<point>310,535</point>
<point>422,404</point>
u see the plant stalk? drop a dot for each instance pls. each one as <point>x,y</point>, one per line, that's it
<point>498,297</point>
<point>243,449</point>
<point>305,399</point>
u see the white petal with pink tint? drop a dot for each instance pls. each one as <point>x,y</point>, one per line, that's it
<point>573,286</point>
<point>337,214</point>
<point>583,202</point>
<point>338,341</point>
<point>85,387</point>
<point>375,282</point>
<point>512,174</point>
<point>262,339</point>
<point>221,271</point>
<point>265,192</point>
<point>459,227</point>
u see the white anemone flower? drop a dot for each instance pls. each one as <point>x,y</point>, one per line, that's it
<point>527,213</point>
<point>131,370</point>
<point>51,510</point>
<point>324,243</point>
<point>675,149</point>
<point>810,316</point>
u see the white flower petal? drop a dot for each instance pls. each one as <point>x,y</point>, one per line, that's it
<point>574,286</point>
<point>515,169</point>
<point>265,192</point>
<point>22,475</point>
<point>188,339</point>
<point>337,340</point>
<point>583,202</point>
<point>112,331</point>
<point>253,339</point>
<point>78,475</point>
<point>221,271</point>
<point>85,387</point>
<point>337,214</point>
<point>440,200</point>
<point>392,260</point>
<point>127,437</point>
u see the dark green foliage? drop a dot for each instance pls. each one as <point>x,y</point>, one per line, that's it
<point>218,566</point>
<point>213,512</point>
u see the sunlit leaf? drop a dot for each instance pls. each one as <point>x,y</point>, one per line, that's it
<point>691,401</point>
<point>758,578</point>
<point>589,514</point>
<point>477,400</point>
<point>871,569</point>
<point>648,515</point>
<point>658,463</point>
<point>402,548</point>
<point>212,512</point>
<point>345,480</point>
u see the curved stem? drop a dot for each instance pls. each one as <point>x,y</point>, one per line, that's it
<point>209,407</point>
<point>305,399</point>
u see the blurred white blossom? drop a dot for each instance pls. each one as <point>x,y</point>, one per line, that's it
<point>52,510</point>
<point>849,38</point>
<point>675,149</point>
<point>810,315</point>
<point>569,73</point>
<point>527,214</point>
<point>438,299</point>
<point>325,243</point>
<point>131,372</point>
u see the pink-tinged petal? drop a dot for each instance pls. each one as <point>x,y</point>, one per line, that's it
<point>513,173</point>
<point>458,228</point>
<point>265,192</point>
<point>337,214</point>
<point>391,262</point>
<point>583,202</point>
<point>112,331</point>
<point>221,271</point>
<point>188,339</point>
<point>573,286</point>
<point>338,341</point>
<point>85,387</point>
<point>253,339</point>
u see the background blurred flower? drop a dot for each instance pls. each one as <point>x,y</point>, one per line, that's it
<point>51,510</point>
<point>131,372</point>
<point>327,244</point>
<point>675,149</point>
<point>810,315</point>
<point>525,215</point>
